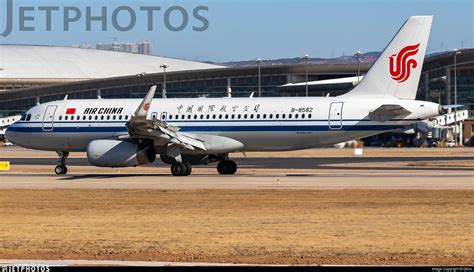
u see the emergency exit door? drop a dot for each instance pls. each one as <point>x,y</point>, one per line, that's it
<point>335,115</point>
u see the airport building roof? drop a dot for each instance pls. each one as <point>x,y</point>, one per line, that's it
<point>54,62</point>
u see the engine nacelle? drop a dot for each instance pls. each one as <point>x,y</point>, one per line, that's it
<point>113,153</point>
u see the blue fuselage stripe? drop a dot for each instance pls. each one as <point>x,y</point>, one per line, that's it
<point>283,128</point>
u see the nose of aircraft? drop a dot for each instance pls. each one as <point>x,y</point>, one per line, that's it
<point>11,135</point>
<point>8,134</point>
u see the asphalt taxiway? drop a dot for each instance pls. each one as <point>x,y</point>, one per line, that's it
<point>315,169</point>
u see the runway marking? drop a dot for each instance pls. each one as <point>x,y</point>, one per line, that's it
<point>4,166</point>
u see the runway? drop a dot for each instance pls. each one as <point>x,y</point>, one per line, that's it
<point>341,163</point>
<point>308,170</point>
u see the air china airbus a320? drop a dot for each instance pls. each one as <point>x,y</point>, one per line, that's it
<point>185,132</point>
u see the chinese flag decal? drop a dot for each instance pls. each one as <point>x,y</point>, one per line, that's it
<point>71,111</point>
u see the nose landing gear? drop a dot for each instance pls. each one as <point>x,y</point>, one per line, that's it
<point>61,168</point>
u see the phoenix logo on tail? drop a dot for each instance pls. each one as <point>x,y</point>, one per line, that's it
<point>400,67</point>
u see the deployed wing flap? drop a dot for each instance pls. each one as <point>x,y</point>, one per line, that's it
<point>387,112</point>
<point>182,139</point>
<point>140,127</point>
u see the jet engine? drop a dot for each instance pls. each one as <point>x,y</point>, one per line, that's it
<point>113,153</point>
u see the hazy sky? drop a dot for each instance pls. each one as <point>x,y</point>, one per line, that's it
<point>245,29</point>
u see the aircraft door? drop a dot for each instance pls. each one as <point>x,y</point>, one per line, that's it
<point>48,118</point>
<point>335,116</point>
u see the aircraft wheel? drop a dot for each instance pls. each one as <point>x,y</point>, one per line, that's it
<point>232,167</point>
<point>60,170</point>
<point>189,168</point>
<point>227,168</point>
<point>179,169</point>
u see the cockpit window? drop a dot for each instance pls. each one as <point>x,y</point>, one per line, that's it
<point>28,117</point>
<point>23,117</point>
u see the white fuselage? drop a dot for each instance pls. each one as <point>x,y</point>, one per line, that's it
<point>260,124</point>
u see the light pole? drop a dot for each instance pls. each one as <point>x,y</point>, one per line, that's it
<point>456,134</point>
<point>163,91</point>
<point>306,59</point>
<point>259,63</point>
<point>357,54</point>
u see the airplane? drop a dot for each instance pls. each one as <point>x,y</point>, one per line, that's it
<point>197,131</point>
<point>4,123</point>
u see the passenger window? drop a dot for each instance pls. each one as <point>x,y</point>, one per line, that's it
<point>258,116</point>
<point>60,118</point>
<point>296,116</point>
<point>202,116</point>
<point>195,117</point>
<point>126,117</point>
<point>96,117</point>
<point>214,116</point>
<point>289,116</point>
<point>239,117</point>
<point>90,117</point>
<point>284,116</point>
<point>309,116</point>
<point>251,116</point>
<point>226,116</point>
<point>277,116</point>
<point>207,116</point>
<point>303,116</point>
<point>102,117</point>
<point>189,117</point>
<point>65,118</point>
<point>245,116</point>
<point>233,116</point>
<point>84,117</point>
<point>114,117</point>
<point>220,116</point>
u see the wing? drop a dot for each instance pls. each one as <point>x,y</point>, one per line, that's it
<point>387,112</point>
<point>140,127</point>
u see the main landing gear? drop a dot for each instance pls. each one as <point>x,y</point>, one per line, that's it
<point>227,167</point>
<point>181,169</point>
<point>184,169</point>
<point>61,168</point>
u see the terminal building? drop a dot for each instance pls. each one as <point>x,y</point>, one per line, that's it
<point>37,74</point>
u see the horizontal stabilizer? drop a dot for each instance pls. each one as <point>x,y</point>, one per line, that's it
<point>449,107</point>
<point>387,112</point>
